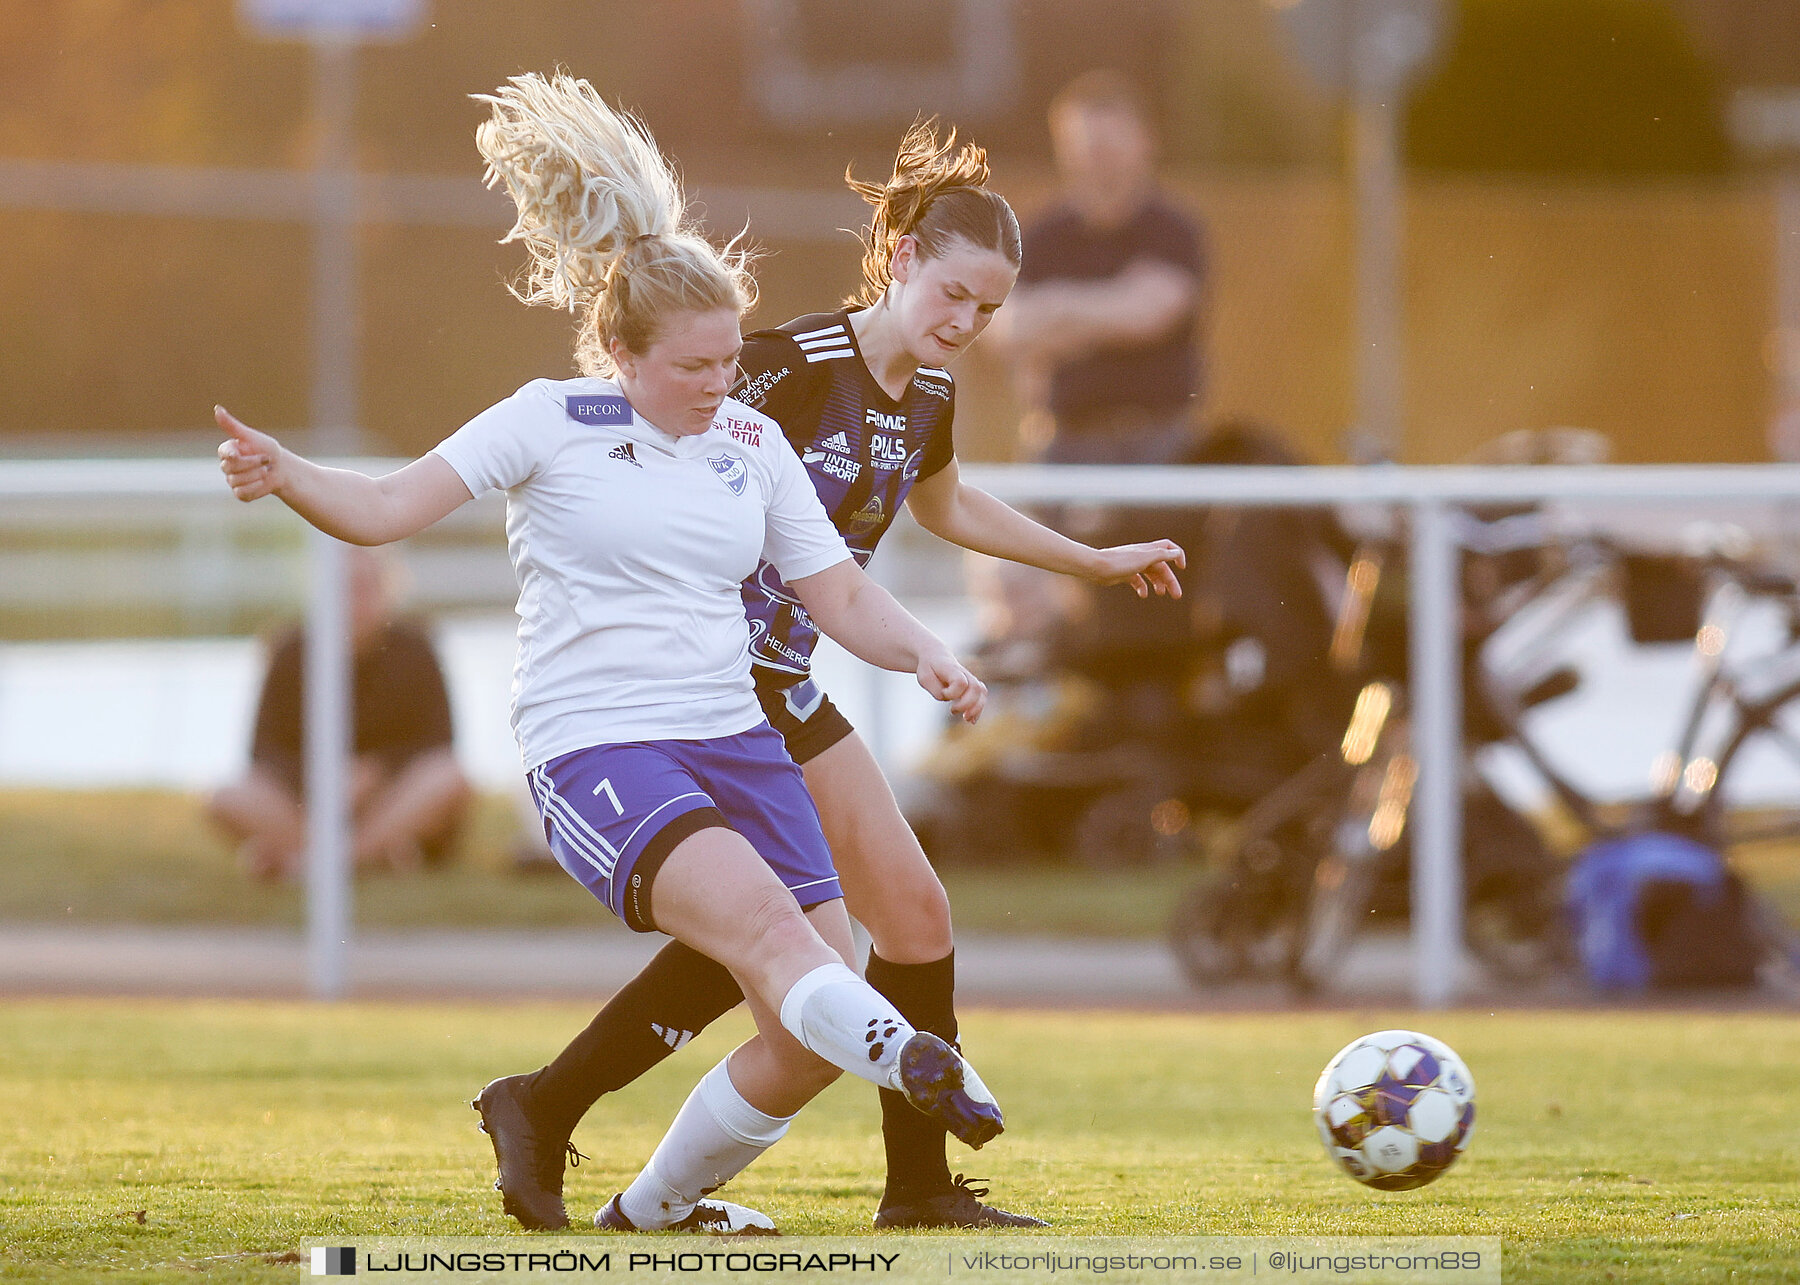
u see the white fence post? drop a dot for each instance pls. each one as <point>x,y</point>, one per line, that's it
<point>1434,640</point>
<point>327,758</point>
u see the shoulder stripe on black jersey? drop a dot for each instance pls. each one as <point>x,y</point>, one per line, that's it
<point>820,334</point>
<point>934,372</point>
<point>829,341</point>
<point>830,354</point>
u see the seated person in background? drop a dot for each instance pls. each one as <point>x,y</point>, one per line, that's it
<point>1105,324</point>
<point>407,795</point>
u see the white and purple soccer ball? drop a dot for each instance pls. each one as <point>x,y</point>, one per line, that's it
<point>1395,1109</point>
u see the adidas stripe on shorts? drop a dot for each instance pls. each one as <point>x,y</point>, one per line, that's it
<point>613,813</point>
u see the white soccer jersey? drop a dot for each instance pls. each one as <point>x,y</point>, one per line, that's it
<point>630,547</point>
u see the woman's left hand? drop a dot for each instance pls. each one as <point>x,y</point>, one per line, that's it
<point>949,680</point>
<point>1145,567</point>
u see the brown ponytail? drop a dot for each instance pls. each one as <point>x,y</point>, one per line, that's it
<point>938,195</point>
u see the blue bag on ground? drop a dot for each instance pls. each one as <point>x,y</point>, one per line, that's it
<point>1659,910</point>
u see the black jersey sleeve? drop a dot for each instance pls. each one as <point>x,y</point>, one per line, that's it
<point>776,379</point>
<point>941,449</point>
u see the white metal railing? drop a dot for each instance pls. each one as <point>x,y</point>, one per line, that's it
<point>157,537</point>
<point>1429,494</point>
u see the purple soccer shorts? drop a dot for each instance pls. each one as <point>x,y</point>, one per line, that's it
<point>612,813</point>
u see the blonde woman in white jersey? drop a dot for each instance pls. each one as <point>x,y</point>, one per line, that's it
<point>633,516</point>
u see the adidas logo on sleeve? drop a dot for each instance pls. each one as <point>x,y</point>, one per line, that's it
<point>624,452</point>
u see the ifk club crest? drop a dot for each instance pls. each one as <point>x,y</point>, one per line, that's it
<point>731,471</point>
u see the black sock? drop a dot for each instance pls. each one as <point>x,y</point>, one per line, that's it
<point>924,994</point>
<point>677,995</point>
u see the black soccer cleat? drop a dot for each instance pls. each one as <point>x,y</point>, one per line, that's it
<point>530,1160</point>
<point>960,1206</point>
<point>935,1079</point>
<point>711,1217</point>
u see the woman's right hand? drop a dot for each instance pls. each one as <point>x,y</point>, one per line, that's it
<point>251,460</point>
<point>949,680</point>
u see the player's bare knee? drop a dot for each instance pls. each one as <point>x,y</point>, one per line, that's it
<point>915,927</point>
<point>774,925</point>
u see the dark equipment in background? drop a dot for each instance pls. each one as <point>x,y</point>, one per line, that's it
<point>1325,853</point>
<point>1141,718</point>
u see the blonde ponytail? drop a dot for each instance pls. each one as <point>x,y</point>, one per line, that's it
<point>602,217</point>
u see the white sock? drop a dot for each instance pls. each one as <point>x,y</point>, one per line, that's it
<point>715,1135</point>
<point>847,1022</point>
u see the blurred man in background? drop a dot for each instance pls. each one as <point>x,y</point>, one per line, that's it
<point>1104,330</point>
<point>1105,321</point>
<point>407,793</point>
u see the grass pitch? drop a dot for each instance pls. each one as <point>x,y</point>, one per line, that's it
<point>148,856</point>
<point>201,1140</point>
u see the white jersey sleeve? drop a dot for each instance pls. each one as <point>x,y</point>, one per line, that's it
<point>801,540</point>
<point>506,444</point>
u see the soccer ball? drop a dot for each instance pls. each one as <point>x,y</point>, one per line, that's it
<point>1395,1109</point>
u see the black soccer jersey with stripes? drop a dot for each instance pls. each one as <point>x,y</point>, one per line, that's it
<point>862,449</point>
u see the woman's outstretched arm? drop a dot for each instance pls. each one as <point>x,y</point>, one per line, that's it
<point>952,510</point>
<point>352,506</point>
<point>871,625</point>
